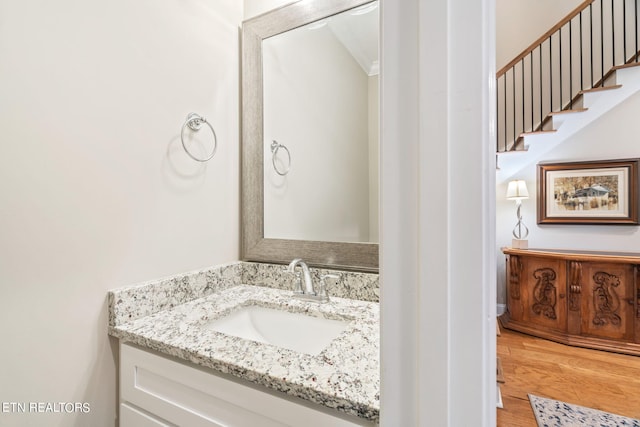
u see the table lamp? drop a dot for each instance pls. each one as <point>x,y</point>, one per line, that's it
<point>517,190</point>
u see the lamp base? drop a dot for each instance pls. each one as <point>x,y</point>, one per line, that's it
<point>519,244</point>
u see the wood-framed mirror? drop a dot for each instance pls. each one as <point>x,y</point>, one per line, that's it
<point>310,134</point>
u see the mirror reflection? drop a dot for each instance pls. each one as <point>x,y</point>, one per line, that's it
<point>320,97</point>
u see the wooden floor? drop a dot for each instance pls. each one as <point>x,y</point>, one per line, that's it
<point>596,379</point>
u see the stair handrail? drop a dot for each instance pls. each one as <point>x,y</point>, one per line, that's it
<point>534,84</point>
<point>533,46</point>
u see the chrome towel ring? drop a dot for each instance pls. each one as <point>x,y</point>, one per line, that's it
<point>275,146</point>
<point>194,122</point>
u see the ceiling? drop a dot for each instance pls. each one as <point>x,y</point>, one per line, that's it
<point>358,30</point>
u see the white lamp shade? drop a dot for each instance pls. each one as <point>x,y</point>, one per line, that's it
<point>517,190</point>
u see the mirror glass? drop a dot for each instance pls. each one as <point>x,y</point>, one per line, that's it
<point>310,134</point>
<point>320,101</point>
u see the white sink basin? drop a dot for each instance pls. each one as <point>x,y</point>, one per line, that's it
<point>294,331</point>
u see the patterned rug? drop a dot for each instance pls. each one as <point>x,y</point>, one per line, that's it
<point>554,413</point>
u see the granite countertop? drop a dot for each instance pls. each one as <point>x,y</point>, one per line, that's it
<point>344,376</point>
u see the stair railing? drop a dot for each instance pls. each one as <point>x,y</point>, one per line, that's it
<point>575,55</point>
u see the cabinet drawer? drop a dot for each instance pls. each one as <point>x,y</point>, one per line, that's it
<point>194,397</point>
<point>130,416</point>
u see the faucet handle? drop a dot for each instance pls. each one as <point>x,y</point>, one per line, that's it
<point>322,293</point>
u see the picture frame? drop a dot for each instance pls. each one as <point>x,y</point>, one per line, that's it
<point>590,192</point>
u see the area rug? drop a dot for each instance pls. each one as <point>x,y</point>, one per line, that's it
<point>554,413</point>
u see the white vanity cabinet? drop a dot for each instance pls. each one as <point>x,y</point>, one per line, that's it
<point>158,391</point>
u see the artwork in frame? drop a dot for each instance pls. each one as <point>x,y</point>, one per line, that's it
<point>595,192</point>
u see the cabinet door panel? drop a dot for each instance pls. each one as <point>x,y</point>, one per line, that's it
<point>544,292</point>
<point>515,283</point>
<point>636,288</point>
<point>608,300</point>
<point>133,417</point>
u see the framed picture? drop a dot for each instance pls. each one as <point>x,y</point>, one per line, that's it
<point>598,192</point>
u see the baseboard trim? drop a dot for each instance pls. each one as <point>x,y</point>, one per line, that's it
<point>501,308</point>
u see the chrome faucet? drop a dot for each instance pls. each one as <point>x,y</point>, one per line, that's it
<point>308,292</point>
<point>306,277</point>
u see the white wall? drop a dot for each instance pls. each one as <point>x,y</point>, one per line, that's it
<point>613,136</point>
<point>257,7</point>
<point>520,22</point>
<point>96,190</point>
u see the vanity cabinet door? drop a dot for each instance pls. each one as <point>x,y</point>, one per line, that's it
<point>543,293</point>
<point>608,300</point>
<point>130,416</point>
<point>158,391</point>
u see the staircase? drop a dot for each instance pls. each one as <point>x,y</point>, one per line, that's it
<point>583,67</point>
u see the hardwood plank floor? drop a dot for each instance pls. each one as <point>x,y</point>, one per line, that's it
<point>596,379</point>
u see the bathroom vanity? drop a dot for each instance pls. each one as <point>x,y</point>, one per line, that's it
<point>177,368</point>
<point>582,298</point>
<point>194,350</point>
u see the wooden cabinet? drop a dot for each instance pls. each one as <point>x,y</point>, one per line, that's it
<point>587,299</point>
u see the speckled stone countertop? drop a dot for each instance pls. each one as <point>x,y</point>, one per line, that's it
<point>344,376</point>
